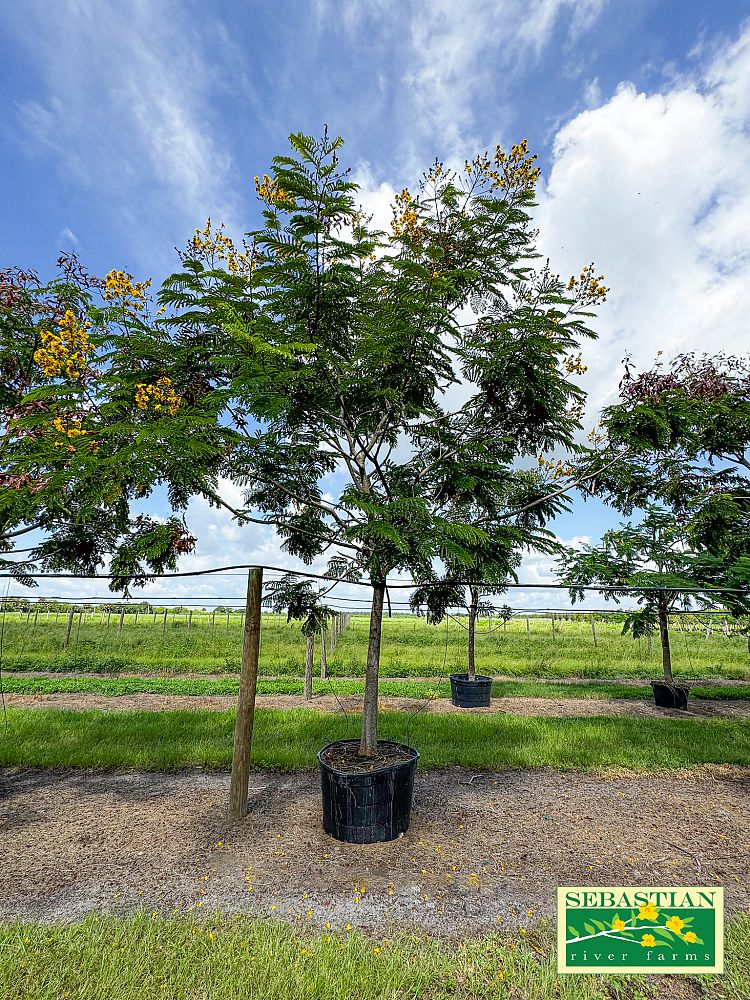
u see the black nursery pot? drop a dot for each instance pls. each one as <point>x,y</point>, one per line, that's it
<point>471,694</point>
<point>367,807</point>
<point>670,695</point>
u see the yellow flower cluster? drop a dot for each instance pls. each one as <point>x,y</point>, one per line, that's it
<point>210,241</point>
<point>588,288</point>
<point>120,287</point>
<point>557,469</point>
<point>574,365</point>
<point>405,223</point>
<point>158,396</point>
<point>507,171</point>
<point>271,192</point>
<point>65,352</point>
<point>70,433</point>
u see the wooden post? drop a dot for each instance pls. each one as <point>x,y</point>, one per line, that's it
<point>309,666</point>
<point>323,658</point>
<point>135,618</point>
<point>227,619</point>
<point>36,615</point>
<point>68,628</point>
<point>553,628</point>
<point>593,630</point>
<point>122,619</point>
<point>213,617</point>
<point>164,623</point>
<point>109,614</point>
<point>528,626</point>
<point>243,729</point>
<point>153,617</point>
<point>190,618</point>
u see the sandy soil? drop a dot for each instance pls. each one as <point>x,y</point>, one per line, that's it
<point>482,851</point>
<point>560,707</point>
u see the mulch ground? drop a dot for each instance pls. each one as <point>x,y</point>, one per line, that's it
<point>352,704</point>
<point>483,851</point>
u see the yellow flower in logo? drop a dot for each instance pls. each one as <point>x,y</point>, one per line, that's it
<point>675,924</point>
<point>618,924</point>
<point>690,937</point>
<point>648,912</point>
<point>648,941</point>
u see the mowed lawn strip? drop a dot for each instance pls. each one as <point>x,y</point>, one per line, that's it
<point>290,739</point>
<point>17,683</point>
<point>178,957</point>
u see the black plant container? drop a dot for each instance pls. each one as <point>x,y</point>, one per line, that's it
<point>368,807</point>
<point>471,694</point>
<point>670,695</point>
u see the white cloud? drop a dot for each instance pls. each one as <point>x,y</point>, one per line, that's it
<point>656,189</point>
<point>122,102</point>
<point>67,235</point>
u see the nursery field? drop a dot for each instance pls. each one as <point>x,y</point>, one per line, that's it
<point>526,647</point>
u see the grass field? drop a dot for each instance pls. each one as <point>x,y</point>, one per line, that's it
<point>229,959</point>
<point>411,648</point>
<point>20,683</point>
<point>290,739</point>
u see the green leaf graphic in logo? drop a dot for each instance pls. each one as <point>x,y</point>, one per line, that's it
<point>589,929</point>
<point>572,930</point>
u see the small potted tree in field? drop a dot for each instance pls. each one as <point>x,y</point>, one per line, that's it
<point>302,602</point>
<point>514,519</point>
<point>653,555</point>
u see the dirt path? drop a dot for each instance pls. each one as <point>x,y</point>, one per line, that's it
<point>558,707</point>
<point>477,854</point>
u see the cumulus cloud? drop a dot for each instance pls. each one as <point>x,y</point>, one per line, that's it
<point>655,187</point>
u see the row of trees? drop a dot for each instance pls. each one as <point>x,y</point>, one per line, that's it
<point>386,400</point>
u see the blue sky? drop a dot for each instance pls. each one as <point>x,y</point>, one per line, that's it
<point>125,125</point>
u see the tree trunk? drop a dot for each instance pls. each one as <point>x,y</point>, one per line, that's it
<point>323,657</point>
<point>243,729</point>
<point>472,669</point>
<point>309,667</point>
<point>666,653</point>
<point>368,746</point>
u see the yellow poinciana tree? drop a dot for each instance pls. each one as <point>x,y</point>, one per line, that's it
<point>89,425</point>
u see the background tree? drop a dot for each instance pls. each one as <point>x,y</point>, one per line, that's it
<point>335,351</point>
<point>301,601</point>
<point>654,553</point>
<point>89,426</point>
<point>683,432</point>
<point>495,560</point>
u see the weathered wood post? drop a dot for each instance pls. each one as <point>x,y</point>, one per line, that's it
<point>323,657</point>
<point>309,650</point>
<point>243,728</point>
<point>68,629</point>
<point>122,619</point>
<point>593,630</point>
<point>164,623</point>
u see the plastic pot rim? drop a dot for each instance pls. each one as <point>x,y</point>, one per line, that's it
<point>366,774</point>
<point>672,687</point>
<point>464,678</point>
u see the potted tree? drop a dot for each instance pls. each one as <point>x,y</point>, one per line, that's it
<point>332,349</point>
<point>515,520</point>
<point>651,562</point>
<point>303,602</point>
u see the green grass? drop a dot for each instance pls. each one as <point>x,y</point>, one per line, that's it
<point>290,739</point>
<point>411,648</point>
<point>18,683</point>
<point>229,959</point>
